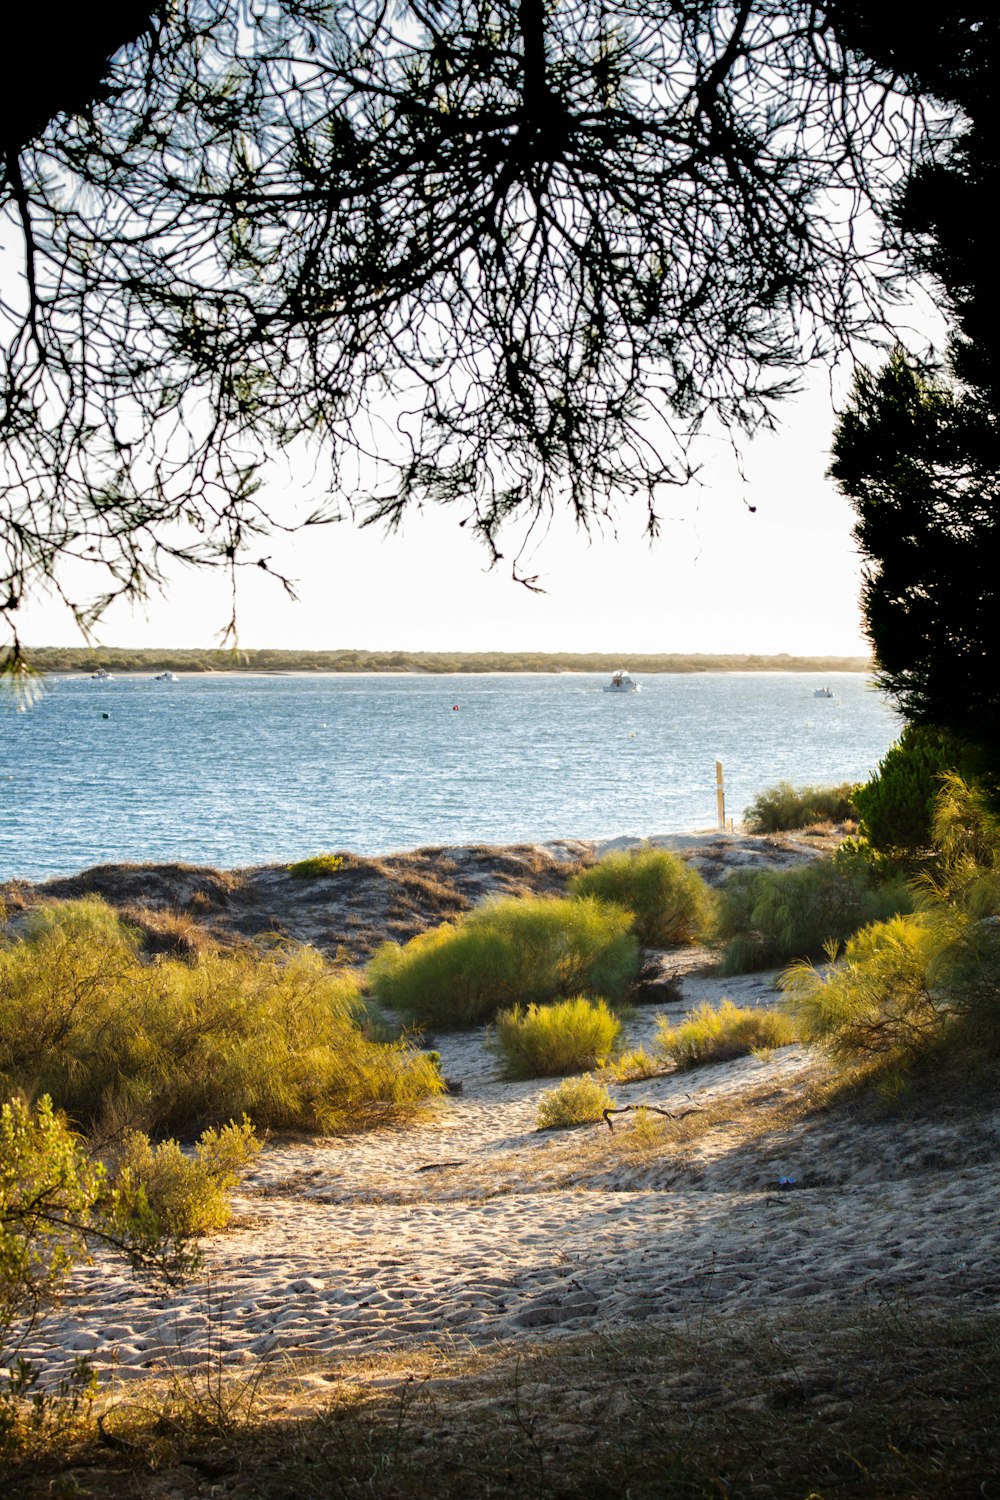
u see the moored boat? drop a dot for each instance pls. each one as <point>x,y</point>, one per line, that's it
<point>621,682</point>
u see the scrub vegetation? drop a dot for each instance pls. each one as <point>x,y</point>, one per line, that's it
<point>545,1041</point>
<point>575,1101</point>
<point>317,866</point>
<point>506,953</point>
<point>766,917</point>
<point>784,807</point>
<point>717,1033</point>
<point>172,1047</point>
<point>669,900</point>
<point>920,992</point>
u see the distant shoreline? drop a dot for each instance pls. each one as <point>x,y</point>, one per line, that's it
<point>117,659</point>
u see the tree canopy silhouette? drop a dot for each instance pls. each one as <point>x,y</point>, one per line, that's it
<point>919,465</point>
<point>918,449</point>
<point>490,252</point>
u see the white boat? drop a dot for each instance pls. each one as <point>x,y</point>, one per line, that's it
<point>101,675</point>
<point>823,692</point>
<point>166,677</point>
<point>621,682</point>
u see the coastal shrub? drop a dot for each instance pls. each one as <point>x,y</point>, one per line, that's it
<point>785,807</point>
<point>965,830</point>
<point>923,989</point>
<point>717,1033</point>
<point>175,1047</point>
<point>875,1000</point>
<point>173,1197</point>
<point>317,866</point>
<point>576,1101</point>
<point>56,1198</point>
<point>668,898</point>
<point>505,953</point>
<point>48,1188</point>
<point>766,917</point>
<point>545,1041</point>
<point>632,1066</point>
<point>897,804</point>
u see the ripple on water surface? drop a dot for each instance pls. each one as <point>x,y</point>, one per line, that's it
<point>233,770</point>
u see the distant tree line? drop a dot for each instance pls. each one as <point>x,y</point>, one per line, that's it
<point>113,659</point>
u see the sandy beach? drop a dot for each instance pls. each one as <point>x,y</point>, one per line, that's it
<point>471,1226</point>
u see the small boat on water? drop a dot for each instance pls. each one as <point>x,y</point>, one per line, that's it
<point>166,677</point>
<point>101,675</point>
<point>823,692</point>
<point>621,682</point>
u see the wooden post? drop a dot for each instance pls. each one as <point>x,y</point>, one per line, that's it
<point>720,795</point>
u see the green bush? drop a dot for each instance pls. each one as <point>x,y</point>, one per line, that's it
<point>56,1200</point>
<point>897,804</point>
<point>766,917</point>
<point>717,1033</point>
<point>48,1188</point>
<point>668,898</point>
<point>873,1002</point>
<point>173,1196</point>
<point>924,988</point>
<point>576,1101</point>
<point>965,828</point>
<point>784,807</point>
<point>317,866</point>
<point>508,952</point>
<point>632,1066</point>
<point>547,1041</point>
<point>176,1047</point>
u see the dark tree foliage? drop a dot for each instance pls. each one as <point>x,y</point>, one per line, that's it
<point>491,252</point>
<point>919,463</point>
<point>945,206</point>
<point>897,804</point>
<point>918,451</point>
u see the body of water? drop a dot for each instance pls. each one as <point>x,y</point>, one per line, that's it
<point>237,770</point>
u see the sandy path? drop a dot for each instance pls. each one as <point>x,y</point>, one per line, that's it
<point>474,1226</point>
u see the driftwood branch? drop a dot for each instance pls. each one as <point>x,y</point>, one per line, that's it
<point>653,1109</point>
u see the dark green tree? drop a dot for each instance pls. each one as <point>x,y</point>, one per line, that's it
<point>918,449</point>
<point>918,460</point>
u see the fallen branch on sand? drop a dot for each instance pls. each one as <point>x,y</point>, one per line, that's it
<point>653,1109</point>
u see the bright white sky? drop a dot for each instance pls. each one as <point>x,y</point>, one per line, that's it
<point>719,579</point>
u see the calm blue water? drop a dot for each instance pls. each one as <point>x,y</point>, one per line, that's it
<point>235,770</point>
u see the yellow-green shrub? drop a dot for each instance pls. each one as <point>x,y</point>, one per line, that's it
<point>717,1033</point>
<point>173,1196</point>
<point>508,952</point>
<point>668,898</point>
<point>48,1187</point>
<point>875,1000</point>
<point>317,866</point>
<point>632,1066</point>
<point>576,1101</point>
<point>786,807</point>
<point>176,1047</point>
<point>765,917</point>
<point>546,1041</point>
